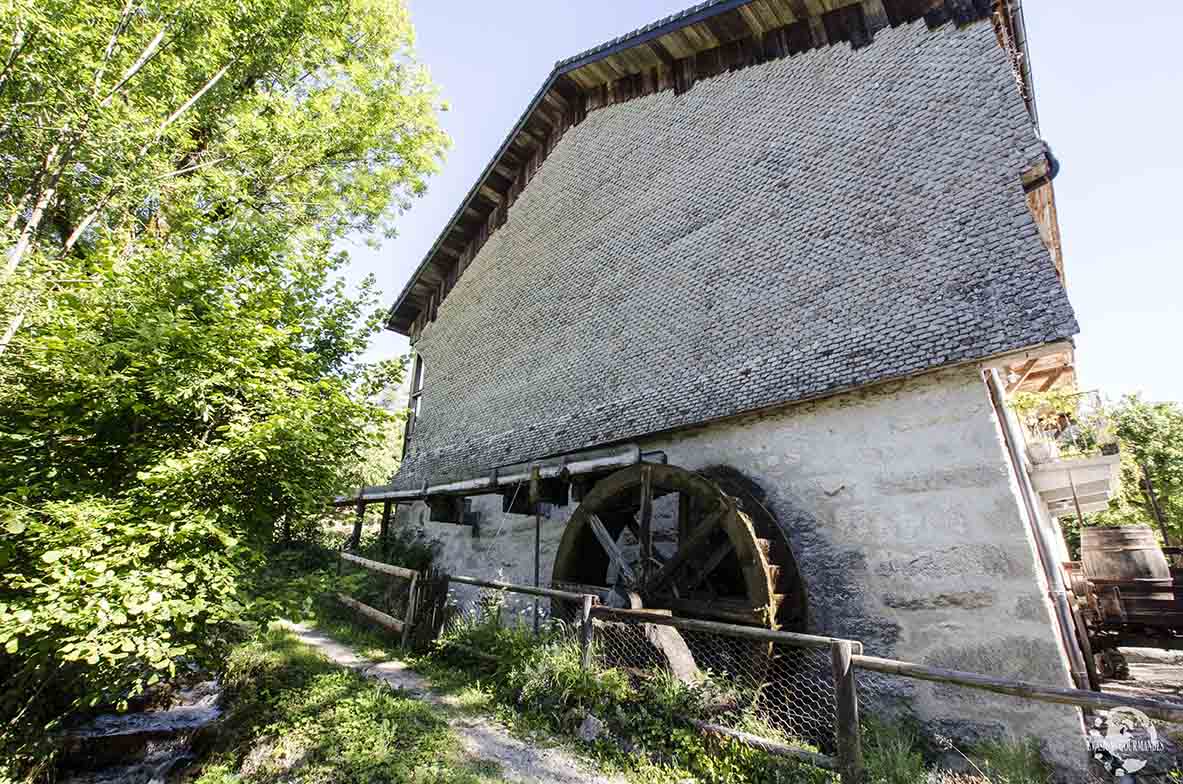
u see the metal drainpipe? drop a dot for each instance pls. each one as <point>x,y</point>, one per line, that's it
<point>1055,580</point>
<point>1020,24</point>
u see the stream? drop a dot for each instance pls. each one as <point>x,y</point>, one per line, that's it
<point>151,746</point>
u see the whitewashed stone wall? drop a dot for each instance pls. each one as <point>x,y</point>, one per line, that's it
<point>902,511</point>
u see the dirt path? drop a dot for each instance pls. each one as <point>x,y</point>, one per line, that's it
<point>481,738</point>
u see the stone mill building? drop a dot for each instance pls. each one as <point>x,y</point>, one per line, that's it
<point>745,291</point>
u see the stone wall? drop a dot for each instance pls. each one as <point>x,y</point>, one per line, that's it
<point>902,511</point>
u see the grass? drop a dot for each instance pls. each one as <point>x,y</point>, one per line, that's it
<point>295,717</point>
<point>539,688</point>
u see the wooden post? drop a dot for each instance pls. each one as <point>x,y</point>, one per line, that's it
<point>850,749</point>
<point>586,632</point>
<point>384,530</point>
<point>409,616</point>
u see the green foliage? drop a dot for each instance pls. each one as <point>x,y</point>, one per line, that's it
<point>1011,762</point>
<point>1041,411</point>
<point>295,716</point>
<point>179,383</point>
<point>541,682</point>
<point>1151,436</point>
<point>892,753</point>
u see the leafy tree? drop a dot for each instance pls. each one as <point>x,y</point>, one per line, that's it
<point>179,384</point>
<point>1151,436</point>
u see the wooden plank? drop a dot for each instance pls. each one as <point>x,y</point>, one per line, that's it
<point>772,747</point>
<point>695,542</point>
<point>646,521</point>
<point>711,564</point>
<point>513,588</point>
<point>609,544</point>
<point>377,616</point>
<point>726,629</point>
<point>375,566</point>
<point>1155,709</point>
<point>412,598</point>
<point>731,611</point>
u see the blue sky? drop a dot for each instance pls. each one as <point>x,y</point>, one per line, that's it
<point>1108,87</point>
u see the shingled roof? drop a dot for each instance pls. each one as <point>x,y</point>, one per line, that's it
<point>772,234</point>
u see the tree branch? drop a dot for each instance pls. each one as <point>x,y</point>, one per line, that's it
<point>149,52</point>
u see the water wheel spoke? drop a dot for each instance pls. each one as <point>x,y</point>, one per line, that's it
<point>696,542</point>
<point>610,547</point>
<point>710,559</point>
<point>646,522</point>
<point>700,574</point>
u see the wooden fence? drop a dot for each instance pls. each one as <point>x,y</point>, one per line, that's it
<point>396,625</point>
<point>846,657</point>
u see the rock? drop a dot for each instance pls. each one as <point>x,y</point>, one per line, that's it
<point>591,729</point>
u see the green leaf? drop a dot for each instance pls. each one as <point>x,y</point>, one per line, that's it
<point>12,645</point>
<point>51,556</point>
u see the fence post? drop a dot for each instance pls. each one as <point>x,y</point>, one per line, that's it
<point>586,630</point>
<point>409,615</point>
<point>850,749</point>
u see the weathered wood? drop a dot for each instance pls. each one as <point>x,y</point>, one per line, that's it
<point>586,632</point>
<point>684,526</point>
<point>409,620</point>
<point>697,540</point>
<point>726,629</point>
<point>729,610</point>
<point>526,589</point>
<point>375,566</point>
<point>850,750</point>
<point>609,544</point>
<point>1155,709</point>
<point>646,521</point>
<point>769,746</point>
<point>377,616</point>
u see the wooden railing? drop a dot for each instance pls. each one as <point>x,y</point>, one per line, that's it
<point>846,657</point>
<point>396,625</point>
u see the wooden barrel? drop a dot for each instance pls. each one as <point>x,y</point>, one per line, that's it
<point>1127,554</point>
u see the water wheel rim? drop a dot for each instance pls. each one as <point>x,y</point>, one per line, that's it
<point>753,563</point>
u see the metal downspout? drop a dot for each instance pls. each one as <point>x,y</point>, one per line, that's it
<point>1020,25</point>
<point>1057,591</point>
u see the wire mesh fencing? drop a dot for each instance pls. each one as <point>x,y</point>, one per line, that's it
<point>783,692</point>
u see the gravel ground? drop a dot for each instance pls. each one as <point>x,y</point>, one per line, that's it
<point>1158,675</point>
<point>481,738</point>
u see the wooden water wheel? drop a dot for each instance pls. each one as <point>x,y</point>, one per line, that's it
<point>666,538</point>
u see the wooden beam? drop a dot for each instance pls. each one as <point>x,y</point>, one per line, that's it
<point>646,520</point>
<point>609,545</point>
<point>711,627</point>
<point>771,747</point>
<point>1155,709</point>
<point>375,566</point>
<point>695,542</point>
<point>1026,371</point>
<point>377,616</point>
<point>1052,379</point>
